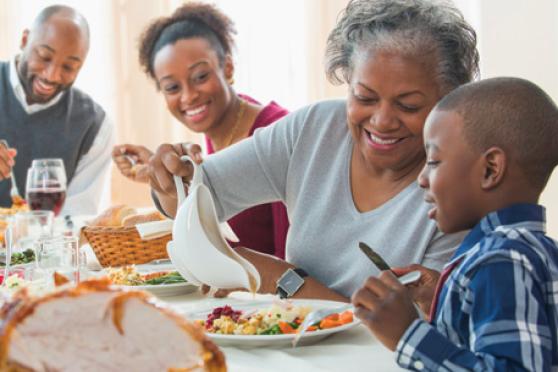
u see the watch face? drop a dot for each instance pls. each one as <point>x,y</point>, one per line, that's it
<point>290,282</point>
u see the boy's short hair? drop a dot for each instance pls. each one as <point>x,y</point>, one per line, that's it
<point>513,114</point>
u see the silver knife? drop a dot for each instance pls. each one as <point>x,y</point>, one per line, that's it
<point>374,257</point>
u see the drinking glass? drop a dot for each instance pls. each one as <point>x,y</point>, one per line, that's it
<point>31,226</point>
<point>59,254</point>
<point>46,185</point>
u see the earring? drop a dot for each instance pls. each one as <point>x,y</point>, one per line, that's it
<point>231,81</point>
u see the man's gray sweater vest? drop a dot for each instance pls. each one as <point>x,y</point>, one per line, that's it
<point>65,130</point>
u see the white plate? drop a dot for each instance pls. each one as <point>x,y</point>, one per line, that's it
<point>252,341</point>
<point>166,290</point>
<point>160,290</point>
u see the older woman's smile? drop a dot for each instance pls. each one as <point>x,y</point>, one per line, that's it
<point>382,142</point>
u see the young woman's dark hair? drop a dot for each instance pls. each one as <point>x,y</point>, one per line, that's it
<point>189,21</point>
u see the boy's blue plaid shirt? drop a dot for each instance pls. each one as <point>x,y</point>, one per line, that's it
<point>498,309</point>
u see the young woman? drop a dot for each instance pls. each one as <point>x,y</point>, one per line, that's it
<point>189,56</point>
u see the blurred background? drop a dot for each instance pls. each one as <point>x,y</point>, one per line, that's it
<point>280,45</point>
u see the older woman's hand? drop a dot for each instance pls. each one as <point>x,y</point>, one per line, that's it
<point>131,161</point>
<point>271,268</point>
<point>164,165</point>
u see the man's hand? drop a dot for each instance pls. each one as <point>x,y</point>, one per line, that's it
<point>132,161</point>
<point>422,291</point>
<point>385,306</point>
<point>7,161</point>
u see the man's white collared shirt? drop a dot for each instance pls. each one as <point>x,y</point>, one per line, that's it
<point>91,176</point>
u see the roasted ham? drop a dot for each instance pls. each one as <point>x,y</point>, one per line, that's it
<point>95,327</point>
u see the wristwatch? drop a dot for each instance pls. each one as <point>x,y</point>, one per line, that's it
<point>290,282</point>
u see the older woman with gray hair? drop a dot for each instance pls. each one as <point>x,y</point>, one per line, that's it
<point>347,169</point>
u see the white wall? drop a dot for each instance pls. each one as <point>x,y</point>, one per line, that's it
<point>520,38</point>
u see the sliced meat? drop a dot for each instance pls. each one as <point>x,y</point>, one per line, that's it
<point>95,327</point>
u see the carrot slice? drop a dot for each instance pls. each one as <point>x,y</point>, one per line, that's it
<point>329,323</point>
<point>346,317</point>
<point>334,317</point>
<point>286,328</point>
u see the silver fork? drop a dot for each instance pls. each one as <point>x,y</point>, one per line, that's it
<point>14,192</point>
<point>316,316</point>
<point>8,239</point>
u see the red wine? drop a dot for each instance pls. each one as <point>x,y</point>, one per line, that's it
<point>47,199</point>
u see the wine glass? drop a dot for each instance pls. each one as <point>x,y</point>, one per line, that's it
<point>46,185</point>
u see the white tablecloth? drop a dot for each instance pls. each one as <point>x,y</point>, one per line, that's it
<point>352,350</point>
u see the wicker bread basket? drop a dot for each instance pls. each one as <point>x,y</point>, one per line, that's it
<point>118,246</point>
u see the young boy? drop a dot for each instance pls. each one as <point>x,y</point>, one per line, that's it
<point>491,147</point>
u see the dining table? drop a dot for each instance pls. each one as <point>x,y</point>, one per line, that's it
<point>355,349</point>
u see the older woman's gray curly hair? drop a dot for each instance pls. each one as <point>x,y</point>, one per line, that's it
<point>412,28</point>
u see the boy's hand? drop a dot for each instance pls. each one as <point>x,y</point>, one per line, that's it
<point>385,306</point>
<point>422,291</point>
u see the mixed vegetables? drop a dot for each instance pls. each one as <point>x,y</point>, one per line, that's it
<point>128,275</point>
<point>276,320</point>
<point>24,257</point>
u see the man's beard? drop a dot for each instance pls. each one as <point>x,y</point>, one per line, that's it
<point>27,80</point>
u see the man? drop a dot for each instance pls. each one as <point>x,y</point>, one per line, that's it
<point>43,116</point>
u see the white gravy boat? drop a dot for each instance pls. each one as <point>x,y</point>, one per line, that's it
<point>199,249</point>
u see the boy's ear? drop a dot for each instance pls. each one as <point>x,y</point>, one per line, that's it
<point>495,163</point>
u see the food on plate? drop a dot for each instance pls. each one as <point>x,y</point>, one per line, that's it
<point>278,319</point>
<point>18,205</point>
<point>98,327</point>
<point>129,275</point>
<point>24,257</point>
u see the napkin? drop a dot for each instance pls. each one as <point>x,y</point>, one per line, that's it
<point>156,229</point>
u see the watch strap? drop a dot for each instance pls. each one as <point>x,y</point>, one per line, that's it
<point>300,272</point>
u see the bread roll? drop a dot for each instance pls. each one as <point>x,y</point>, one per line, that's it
<point>134,219</point>
<point>113,216</point>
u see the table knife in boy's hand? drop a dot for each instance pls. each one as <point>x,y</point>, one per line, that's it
<point>374,257</point>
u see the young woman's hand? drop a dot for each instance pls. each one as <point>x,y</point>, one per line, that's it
<point>164,165</point>
<point>132,161</point>
<point>385,306</point>
<point>422,290</point>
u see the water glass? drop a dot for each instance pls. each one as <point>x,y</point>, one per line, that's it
<point>59,254</point>
<point>31,226</point>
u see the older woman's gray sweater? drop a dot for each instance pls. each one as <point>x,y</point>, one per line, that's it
<point>303,160</point>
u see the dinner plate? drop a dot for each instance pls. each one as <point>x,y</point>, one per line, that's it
<point>166,290</point>
<point>160,290</point>
<point>253,341</point>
